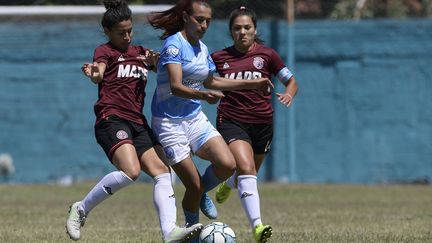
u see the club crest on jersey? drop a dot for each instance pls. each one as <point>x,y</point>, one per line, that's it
<point>258,62</point>
<point>226,65</point>
<point>121,134</point>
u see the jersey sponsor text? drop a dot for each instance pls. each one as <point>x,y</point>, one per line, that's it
<point>127,71</point>
<point>248,75</point>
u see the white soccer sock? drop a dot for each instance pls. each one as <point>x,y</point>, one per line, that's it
<point>106,187</point>
<point>231,181</point>
<point>249,197</point>
<point>164,201</point>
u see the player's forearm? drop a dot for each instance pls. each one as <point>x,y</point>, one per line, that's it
<point>96,79</point>
<point>187,93</point>
<point>97,72</point>
<point>291,87</point>
<point>220,83</point>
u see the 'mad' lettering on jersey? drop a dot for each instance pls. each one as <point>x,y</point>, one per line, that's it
<point>248,75</point>
<point>131,71</point>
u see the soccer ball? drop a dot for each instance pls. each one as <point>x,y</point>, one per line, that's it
<point>217,232</point>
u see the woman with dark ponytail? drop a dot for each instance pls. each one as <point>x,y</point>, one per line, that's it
<point>245,117</point>
<point>184,69</point>
<point>120,70</point>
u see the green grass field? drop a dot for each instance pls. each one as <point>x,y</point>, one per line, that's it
<point>298,213</point>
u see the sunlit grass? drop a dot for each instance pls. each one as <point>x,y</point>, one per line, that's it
<point>298,213</point>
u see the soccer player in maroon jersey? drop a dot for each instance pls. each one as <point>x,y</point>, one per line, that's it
<point>245,117</point>
<point>120,71</point>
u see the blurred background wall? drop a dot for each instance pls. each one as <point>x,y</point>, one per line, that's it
<point>363,113</point>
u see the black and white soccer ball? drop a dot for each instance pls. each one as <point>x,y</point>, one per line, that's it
<point>217,232</point>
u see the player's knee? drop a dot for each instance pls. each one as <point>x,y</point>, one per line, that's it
<point>156,168</point>
<point>226,162</point>
<point>133,173</point>
<point>246,170</point>
<point>196,188</point>
<point>161,167</point>
<point>229,166</point>
<point>225,170</point>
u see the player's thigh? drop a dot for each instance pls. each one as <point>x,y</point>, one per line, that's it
<point>244,157</point>
<point>126,160</point>
<point>152,164</point>
<point>172,137</point>
<point>232,130</point>
<point>116,138</point>
<point>145,142</point>
<point>111,133</point>
<point>217,152</point>
<point>236,135</point>
<point>261,137</point>
<point>259,159</point>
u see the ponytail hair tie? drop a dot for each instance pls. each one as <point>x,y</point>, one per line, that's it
<point>242,8</point>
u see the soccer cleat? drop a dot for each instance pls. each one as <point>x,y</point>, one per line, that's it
<point>184,234</point>
<point>222,193</point>
<point>75,221</point>
<point>262,233</point>
<point>207,207</point>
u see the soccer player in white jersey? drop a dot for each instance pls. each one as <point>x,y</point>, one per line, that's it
<point>245,117</point>
<point>184,68</point>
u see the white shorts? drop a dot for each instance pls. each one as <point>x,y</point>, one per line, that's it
<point>179,137</point>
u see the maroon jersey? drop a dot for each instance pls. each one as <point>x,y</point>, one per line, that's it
<point>248,106</point>
<point>121,92</point>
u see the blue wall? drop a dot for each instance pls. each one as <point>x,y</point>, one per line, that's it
<point>363,113</point>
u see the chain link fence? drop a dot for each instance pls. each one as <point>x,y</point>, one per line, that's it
<point>276,9</point>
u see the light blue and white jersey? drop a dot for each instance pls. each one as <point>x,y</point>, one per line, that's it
<point>196,64</point>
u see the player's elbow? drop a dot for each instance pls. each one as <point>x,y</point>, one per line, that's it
<point>96,80</point>
<point>211,83</point>
<point>208,85</point>
<point>175,90</point>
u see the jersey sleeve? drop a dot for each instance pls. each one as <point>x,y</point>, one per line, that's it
<point>170,52</point>
<point>279,69</point>
<point>211,65</point>
<point>101,55</point>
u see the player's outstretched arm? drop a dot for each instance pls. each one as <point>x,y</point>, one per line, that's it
<point>175,74</point>
<point>95,71</point>
<point>219,83</point>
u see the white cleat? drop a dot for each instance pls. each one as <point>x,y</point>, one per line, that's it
<point>183,234</point>
<point>75,221</point>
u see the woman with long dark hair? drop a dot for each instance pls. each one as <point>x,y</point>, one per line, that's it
<point>184,69</point>
<point>120,71</point>
<point>245,117</point>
